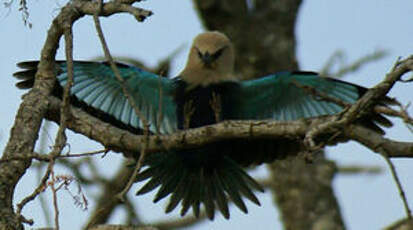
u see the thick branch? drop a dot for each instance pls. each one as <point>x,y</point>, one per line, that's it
<point>374,141</point>
<point>120,227</point>
<point>121,140</point>
<point>110,8</point>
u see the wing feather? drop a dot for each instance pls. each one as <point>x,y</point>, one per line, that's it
<point>96,85</point>
<point>277,96</point>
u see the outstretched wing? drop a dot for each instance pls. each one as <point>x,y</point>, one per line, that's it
<point>96,85</point>
<point>286,96</point>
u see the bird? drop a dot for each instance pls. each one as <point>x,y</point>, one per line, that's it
<point>205,92</point>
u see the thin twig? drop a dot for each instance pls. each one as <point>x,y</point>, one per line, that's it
<point>336,57</point>
<point>358,169</point>
<point>367,101</point>
<point>321,95</point>
<point>43,202</point>
<point>40,188</point>
<point>351,67</point>
<point>398,184</point>
<point>402,114</point>
<point>61,138</point>
<point>129,97</point>
<point>55,204</point>
<point>406,118</point>
<point>139,164</point>
<point>114,67</point>
<point>91,153</point>
<point>129,2</point>
<point>47,158</point>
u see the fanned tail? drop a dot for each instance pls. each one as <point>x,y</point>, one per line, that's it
<point>192,180</point>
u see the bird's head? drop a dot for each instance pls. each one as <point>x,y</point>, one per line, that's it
<point>210,60</point>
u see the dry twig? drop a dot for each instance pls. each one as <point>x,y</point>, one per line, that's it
<point>398,183</point>
<point>128,96</point>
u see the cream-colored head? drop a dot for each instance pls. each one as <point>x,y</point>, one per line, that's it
<point>210,60</point>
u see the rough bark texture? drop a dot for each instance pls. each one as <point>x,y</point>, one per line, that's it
<point>264,41</point>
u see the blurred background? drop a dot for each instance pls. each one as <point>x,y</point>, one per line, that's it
<point>340,32</point>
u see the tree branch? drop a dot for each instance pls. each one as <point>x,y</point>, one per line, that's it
<point>124,141</point>
<point>120,227</point>
<point>25,130</point>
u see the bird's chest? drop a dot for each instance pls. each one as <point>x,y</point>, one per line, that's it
<point>202,106</point>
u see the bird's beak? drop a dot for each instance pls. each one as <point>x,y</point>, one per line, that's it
<point>207,59</point>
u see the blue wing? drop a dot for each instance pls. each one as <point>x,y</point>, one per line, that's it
<point>278,97</point>
<point>96,85</point>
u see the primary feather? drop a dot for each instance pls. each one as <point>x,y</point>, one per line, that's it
<point>96,85</point>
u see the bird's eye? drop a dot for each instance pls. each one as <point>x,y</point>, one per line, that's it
<point>199,53</point>
<point>218,53</point>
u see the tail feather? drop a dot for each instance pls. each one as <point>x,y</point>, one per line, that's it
<point>25,74</point>
<point>243,188</point>
<point>26,84</point>
<point>28,64</point>
<point>222,201</point>
<point>151,185</point>
<point>232,190</point>
<point>380,119</point>
<point>208,195</point>
<point>192,195</point>
<point>145,174</point>
<point>192,183</point>
<point>155,181</point>
<point>195,208</point>
<point>168,185</point>
<point>179,193</point>
<point>242,174</point>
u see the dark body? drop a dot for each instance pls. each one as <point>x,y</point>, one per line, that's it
<point>200,101</point>
<point>194,109</point>
<point>204,103</point>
